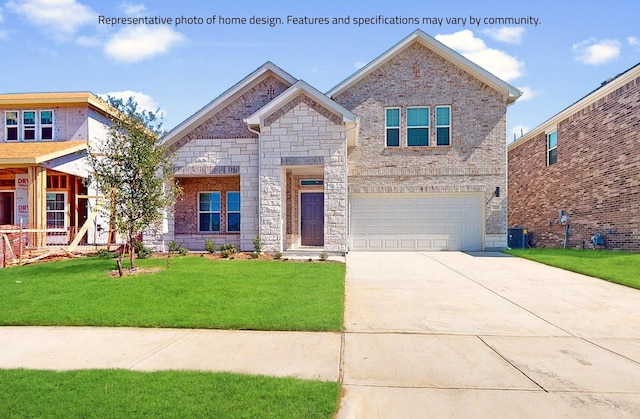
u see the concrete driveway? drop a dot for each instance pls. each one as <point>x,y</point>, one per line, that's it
<point>455,335</point>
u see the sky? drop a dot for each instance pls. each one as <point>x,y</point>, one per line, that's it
<point>189,52</point>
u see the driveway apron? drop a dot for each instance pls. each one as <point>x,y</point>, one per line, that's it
<point>456,335</point>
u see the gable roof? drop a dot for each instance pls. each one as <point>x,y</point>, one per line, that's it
<point>225,98</point>
<point>303,87</point>
<point>608,87</point>
<point>510,93</point>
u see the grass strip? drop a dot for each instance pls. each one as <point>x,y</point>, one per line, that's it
<point>166,394</point>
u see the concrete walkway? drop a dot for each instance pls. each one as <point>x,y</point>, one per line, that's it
<point>452,335</point>
<point>314,356</point>
<point>427,335</point>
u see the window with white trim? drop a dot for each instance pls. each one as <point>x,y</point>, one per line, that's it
<point>418,127</point>
<point>29,125</point>
<point>12,125</point>
<point>443,125</point>
<point>56,210</point>
<point>392,125</point>
<point>552,148</point>
<point>208,211</point>
<point>233,211</point>
<point>46,125</point>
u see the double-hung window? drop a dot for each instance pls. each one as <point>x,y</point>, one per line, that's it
<point>209,211</point>
<point>56,210</point>
<point>417,127</point>
<point>11,122</point>
<point>233,211</point>
<point>46,125</point>
<point>29,125</point>
<point>392,122</point>
<point>552,148</point>
<point>443,125</point>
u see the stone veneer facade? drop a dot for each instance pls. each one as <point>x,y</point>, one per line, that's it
<point>302,138</point>
<point>474,163</point>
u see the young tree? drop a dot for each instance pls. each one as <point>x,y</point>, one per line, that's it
<point>133,171</point>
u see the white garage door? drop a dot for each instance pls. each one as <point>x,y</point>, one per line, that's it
<point>416,222</point>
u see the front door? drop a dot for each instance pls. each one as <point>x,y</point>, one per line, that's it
<point>312,218</point>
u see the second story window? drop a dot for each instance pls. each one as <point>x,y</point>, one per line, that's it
<point>11,122</point>
<point>552,148</point>
<point>417,127</point>
<point>392,122</point>
<point>29,125</point>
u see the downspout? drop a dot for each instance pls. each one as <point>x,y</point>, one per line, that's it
<point>259,171</point>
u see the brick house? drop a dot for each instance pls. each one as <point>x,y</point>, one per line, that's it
<point>43,147</point>
<point>586,161</point>
<point>407,153</point>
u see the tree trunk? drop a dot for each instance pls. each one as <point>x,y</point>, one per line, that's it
<point>132,251</point>
<point>119,265</point>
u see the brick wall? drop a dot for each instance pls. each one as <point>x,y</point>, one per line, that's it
<point>476,159</point>
<point>186,211</point>
<point>596,179</point>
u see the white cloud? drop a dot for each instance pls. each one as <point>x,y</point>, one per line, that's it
<point>138,43</point>
<point>527,93</point>
<point>62,17</point>
<point>594,52</point>
<point>518,131</point>
<point>506,34</point>
<point>1,17</point>
<point>144,101</point>
<point>4,35</point>
<point>633,41</point>
<point>132,9</point>
<point>496,61</point>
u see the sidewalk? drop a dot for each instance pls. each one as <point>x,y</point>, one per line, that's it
<point>314,356</point>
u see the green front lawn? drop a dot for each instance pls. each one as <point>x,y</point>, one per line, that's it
<point>619,267</point>
<point>167,394</point>
<point>194,292</point>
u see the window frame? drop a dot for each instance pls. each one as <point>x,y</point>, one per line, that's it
<point>416,127</point>
<point>43,125</point>
<point>388,127</point>
<point>550,149</point>
<point>30,127</point>
<point>16,126</point>
<point>230,212</point>
<point>218,212</point>
<point>448,126</point>
<point>63,211</point>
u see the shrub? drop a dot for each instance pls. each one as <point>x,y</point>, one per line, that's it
<point>173,246</point>
<point>230,247</point>
<point>278,255</point>
<point>210,246</point>
<point>324,256</point>
<point>183,250</point>
<point>225,253</point>
<point>145,252</point>
<point>257,244</point>
<point>254,255</point>
<point>105,254</point>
